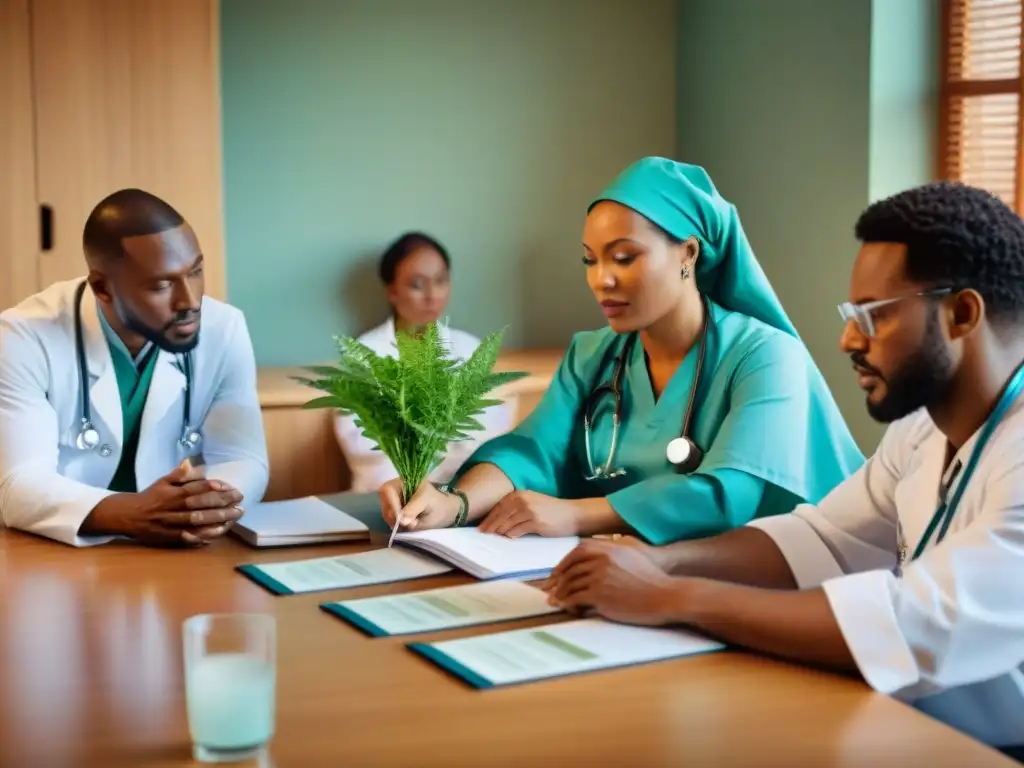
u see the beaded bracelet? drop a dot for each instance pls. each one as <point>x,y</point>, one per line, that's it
<point>463,515</point>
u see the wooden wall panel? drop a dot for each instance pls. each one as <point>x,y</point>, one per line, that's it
<point>128,95</point>
<point>19,222</point>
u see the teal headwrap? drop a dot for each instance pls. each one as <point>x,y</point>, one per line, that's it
<point>681,199</point>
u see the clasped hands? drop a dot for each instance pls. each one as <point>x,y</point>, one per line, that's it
<point>183,507</point>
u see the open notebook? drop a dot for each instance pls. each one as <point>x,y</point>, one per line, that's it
<point>297,521</point>
<point>490,556</point>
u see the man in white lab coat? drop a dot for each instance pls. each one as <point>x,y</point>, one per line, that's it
<point>118,418</point>
<point>909,573</point>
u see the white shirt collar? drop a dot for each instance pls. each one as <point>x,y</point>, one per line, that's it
<point>442,327</point>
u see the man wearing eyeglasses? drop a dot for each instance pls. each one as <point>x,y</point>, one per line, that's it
<point>910,573</point>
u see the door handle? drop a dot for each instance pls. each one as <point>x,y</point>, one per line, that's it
<point>46,227</point>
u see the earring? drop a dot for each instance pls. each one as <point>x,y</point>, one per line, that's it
<point>685,271</point>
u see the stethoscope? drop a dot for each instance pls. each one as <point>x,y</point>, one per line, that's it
<point>944,514</point>
<point>681,451</point>
<point>88,436</point>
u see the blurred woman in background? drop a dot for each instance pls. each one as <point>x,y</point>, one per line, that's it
<point>415,271</point>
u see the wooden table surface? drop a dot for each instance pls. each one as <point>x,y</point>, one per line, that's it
<point>91,675</point>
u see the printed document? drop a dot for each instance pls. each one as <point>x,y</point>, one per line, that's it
<point>431,610</point>
<point>584,645</point>
<point>377,566</point>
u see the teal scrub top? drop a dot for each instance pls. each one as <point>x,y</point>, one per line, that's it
<point>769,439</point>
<point>134,376</point>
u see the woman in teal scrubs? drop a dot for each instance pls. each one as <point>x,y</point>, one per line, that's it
<point>668,261</point>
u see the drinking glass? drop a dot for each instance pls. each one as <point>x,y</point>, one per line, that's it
<point>230,678</point>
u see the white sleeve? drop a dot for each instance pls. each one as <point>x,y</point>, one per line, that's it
<point>370,467</point>
<point>853,528</point>
<point>956,616</point>
<point>34,496</point>
<point>234,443</point>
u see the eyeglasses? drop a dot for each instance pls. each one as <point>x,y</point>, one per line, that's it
<point>863,314</point>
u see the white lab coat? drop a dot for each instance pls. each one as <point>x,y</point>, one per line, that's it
<point>947,637</point>
<point>371,468</point>
<point>47,485</point>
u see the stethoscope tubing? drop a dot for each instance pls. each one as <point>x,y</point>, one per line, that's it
<point>88,436</point>
<point>615,387</point>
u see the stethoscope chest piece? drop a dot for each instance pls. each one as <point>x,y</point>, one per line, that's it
<point>88,437</point>
<point>684,454</point>
<point>682,451</point>
<point>191,439</point>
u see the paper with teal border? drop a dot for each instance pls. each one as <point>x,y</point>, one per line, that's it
<point>447,663</point>
<point>450,664</point>
<point>355,619</point>
<point>266,581</point>
<point>526,602</point>
<point>464,673</point>
<point>410,566</point>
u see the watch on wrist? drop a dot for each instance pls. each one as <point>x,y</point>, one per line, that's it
<point>463,513</point>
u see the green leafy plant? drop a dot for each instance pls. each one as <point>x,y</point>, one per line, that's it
<point>411,406</point>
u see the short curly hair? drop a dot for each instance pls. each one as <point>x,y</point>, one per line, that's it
<point>957,236</point>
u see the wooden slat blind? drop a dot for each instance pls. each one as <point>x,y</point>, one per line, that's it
<point>981,132</point>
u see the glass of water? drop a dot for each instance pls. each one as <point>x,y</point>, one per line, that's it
<point>230,677</point>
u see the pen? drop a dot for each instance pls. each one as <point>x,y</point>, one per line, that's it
<point>398,518</point>
<point>394,530</point>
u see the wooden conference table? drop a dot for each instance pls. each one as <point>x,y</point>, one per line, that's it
<point>91,675</point>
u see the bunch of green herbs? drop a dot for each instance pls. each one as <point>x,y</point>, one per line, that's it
<point>413,405</point>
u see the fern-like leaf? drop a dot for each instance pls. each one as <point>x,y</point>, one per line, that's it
<point>411,406</point>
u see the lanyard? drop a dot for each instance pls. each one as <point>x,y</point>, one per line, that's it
<point>945,512</point>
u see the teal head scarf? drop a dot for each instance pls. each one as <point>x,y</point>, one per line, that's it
<point>681,199</point>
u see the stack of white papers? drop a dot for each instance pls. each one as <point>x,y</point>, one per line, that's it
<point>297,521</point>
<point>490,555</point>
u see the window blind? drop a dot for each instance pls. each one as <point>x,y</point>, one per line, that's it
<point>981,131</point>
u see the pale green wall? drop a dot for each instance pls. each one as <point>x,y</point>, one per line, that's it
<point>905,65</point>
<point>804,111</point>
<point>492,124</point>
<point>489,124</point>
<point>773,101</point>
